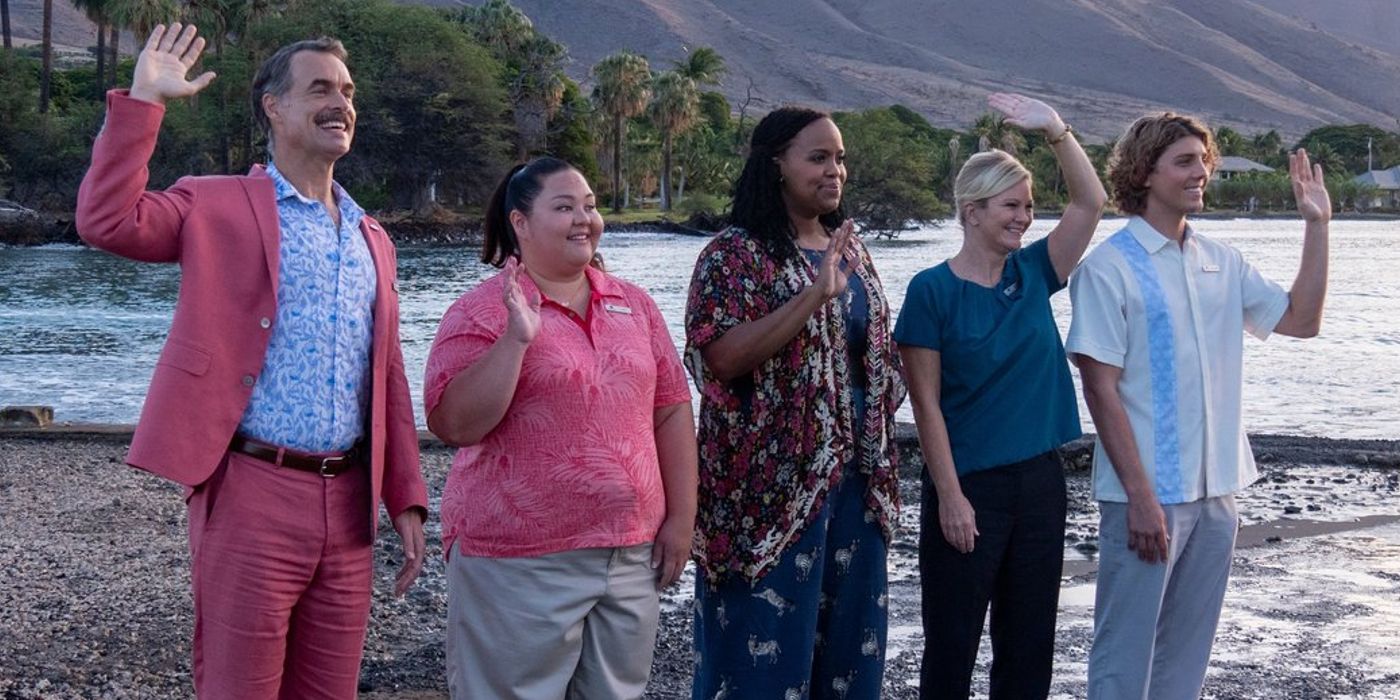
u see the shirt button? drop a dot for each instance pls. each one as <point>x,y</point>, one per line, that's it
<point>265,322</point>
<point>247,380</point>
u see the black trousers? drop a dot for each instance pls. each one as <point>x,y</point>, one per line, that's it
<point>1014,567</point>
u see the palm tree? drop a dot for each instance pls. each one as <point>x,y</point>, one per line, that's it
<point>218,18</point>
<point>114,35</point>
<point>141,16</point>
<point>993,131</point>
<point>536,91</point>
<point>1267,148</point>
<point>704,66</point>
<point>499,24</point>
<point>675,105</point>
<point>954,145</point>
<point>1229,142</point>
<point>46,72</point>
<point>534,63</point>
<point>1325,155</point>
<point>622,89</point>
<point>96,11</point>
<point>5,22</point>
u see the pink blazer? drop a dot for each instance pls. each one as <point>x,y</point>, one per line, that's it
<point>223,232</point>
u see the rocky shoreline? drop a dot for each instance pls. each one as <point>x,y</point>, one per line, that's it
<point>97,603</point>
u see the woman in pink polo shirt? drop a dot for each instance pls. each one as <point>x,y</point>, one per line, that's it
<point>572,499</point>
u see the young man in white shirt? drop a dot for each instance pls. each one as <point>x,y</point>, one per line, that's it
<point>1157,333</point>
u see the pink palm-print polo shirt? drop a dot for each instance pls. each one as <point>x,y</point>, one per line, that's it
<point>573,463</point>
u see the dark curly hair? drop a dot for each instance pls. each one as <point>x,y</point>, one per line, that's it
<point>758,194</point>
<point>1138,150</point>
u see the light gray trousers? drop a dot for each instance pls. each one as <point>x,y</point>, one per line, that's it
<point>1154,624</point>
<point>579,624</point>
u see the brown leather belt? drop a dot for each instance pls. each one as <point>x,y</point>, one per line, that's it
<point>328,465</point>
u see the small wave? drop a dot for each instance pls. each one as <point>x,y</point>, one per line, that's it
<point>61,341</point>
<point>46,246</point>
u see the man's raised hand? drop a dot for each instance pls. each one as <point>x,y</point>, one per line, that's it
<point>1309,189</point>
<point>164,63</point>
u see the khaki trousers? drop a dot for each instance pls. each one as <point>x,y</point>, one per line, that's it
<point>579,624</point>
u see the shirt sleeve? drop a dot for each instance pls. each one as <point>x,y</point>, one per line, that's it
<point>1264,300</point>
<point>920,323</point>
<point>671,386</point>
<point>1036,257</point>
<point>1099,325</point>
<point>723,291</point>
<point>461,340</point>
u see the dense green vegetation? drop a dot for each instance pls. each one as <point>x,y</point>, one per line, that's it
<point>448,99</point>
<point>1340,150</point>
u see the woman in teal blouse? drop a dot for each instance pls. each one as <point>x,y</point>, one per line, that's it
<point>992,400</point>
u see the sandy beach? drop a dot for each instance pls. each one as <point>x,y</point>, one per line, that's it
<point>97,603</point>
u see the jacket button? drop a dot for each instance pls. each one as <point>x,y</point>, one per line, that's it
<point>247,380</point>
<point>265,322</point>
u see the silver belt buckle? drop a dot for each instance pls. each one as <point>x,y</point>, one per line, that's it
<point>330,462</point>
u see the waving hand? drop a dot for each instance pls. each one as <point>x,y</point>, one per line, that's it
<point>522,310</point>
<point>164,63</point>
<point>1309,189</point>
<point>832,272</point>
<point>1027,112</point>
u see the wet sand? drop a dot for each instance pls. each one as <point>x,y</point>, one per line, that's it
<point>97,604</point>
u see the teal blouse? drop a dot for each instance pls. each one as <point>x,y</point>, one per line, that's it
<point>1006,391</point>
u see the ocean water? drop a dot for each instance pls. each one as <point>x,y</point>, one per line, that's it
<point>80,329</point>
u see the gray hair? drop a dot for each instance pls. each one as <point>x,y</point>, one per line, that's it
<point>275,74</point>
<point>986,175</point>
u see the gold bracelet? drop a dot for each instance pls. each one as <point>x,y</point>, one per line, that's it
<point>1063,134</point>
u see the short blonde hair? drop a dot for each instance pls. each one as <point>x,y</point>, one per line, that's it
<point>986,175</point>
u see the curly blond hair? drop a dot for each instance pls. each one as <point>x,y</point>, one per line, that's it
<point>1138,150</point>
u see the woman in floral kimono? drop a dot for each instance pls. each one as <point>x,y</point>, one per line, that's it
<point>788,338</point>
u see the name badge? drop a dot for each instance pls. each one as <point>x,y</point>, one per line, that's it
<point>614,308</point>
<point>1210,267</point>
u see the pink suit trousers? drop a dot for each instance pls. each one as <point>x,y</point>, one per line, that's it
<point>281,566</point>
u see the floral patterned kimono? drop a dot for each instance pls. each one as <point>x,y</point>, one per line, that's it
<point>795,508</point>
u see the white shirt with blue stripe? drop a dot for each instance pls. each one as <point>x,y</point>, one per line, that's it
<point>1173,318</point>
<point>314,386</point>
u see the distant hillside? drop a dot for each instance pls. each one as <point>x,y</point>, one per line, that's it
<point>1234,62</point>
<point>70,27</point>
<point>1375,23</point>
<point>1251,64</point>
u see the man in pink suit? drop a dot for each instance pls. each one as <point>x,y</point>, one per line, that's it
<point>279,400</point>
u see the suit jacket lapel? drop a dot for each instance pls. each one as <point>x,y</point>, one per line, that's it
<point>375,239</point>
<point>263,200</point>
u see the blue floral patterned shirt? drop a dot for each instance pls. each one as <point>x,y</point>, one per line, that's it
<point>315,383</point>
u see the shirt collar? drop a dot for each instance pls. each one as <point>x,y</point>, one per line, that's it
<point>282,188</point>
<point>350,211</point>
<point>601,285</point>
<point>1150,238</point>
